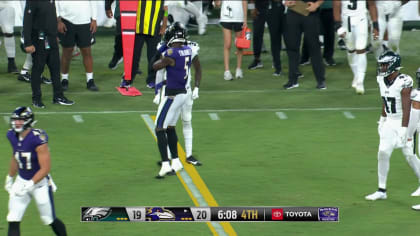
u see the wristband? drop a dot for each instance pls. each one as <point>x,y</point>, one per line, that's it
<point>375,25</point>
<point>165,14</point>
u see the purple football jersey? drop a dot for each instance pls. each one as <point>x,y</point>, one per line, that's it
<point>177,76</point>
<point>24,151</point>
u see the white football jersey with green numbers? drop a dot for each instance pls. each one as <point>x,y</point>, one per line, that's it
<point>391,94</point>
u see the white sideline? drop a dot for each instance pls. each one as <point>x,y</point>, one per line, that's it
<point>212,110</point>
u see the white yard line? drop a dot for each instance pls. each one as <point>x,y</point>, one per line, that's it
<point>281,115</point>
<point>78,118</point>
<point>214,116</point>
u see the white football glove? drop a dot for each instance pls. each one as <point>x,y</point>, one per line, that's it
<point>156,100</point>
<point>341,32</point>
<point>381,122</point>
<point>52,184</point>
<point>402,137</point>
<point>27,187</point>
<point>8,183</point>
<point>195,93</point>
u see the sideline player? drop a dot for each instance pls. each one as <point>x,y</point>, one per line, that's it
<point>395,89</point>
<point>351,23</point>
<point>7,22</point>
<point>31,160</point>
<point>186,111</point>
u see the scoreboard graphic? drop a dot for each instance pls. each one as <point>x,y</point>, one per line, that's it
<point>208,214</point>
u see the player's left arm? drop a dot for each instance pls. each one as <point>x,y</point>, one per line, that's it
<point>44,160</point>
<point>197,68</point>
<point>406,105</point>
<point>414,119</point>
<point>164,20</point>
<point>13,169</point>
<point>373,11</point>
<point>94,16</point>
<point>163,62</point>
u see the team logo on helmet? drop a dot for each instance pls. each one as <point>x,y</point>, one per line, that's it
<point>26,115</point>
<point>388,63</point>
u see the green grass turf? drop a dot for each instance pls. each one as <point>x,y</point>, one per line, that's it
<point>252,158</point>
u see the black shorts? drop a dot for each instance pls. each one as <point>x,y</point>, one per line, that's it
<point>235,26</point>
<point>79,35</point>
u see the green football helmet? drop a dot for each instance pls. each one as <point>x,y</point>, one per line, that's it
<point>388,63</point>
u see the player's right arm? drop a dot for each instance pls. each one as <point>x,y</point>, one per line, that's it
<point>414,119</point>
<point>337,19</point>
<point>13,169</point>
<point>163,62</point>
<point>30,9</point>
<point>44,160</point>
<point>373,11</point>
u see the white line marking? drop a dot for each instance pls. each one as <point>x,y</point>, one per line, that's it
<point>348,115</point>
<point>281,115</point>
<point>78,118</point>
<point>187,179</point>
<point>213,110</point>
<point>214,116</point>
<point>6,119</point>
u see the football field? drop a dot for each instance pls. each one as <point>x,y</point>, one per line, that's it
<point>260,146</point>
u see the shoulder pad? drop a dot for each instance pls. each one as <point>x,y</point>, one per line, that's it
<point>406,81</point>
<point>39,133</point>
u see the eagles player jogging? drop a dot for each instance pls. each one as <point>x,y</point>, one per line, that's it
<point>177,61</point>
<point>186,110</point>
<point>31,160</point>
<point>395,89</point>
<point>414,122</point>
<point>351,23</point>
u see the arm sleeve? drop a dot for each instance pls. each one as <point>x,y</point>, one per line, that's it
<point>93,9</point>
<point>58,8</point>
<point>414,120</point>
<point>30,9</point>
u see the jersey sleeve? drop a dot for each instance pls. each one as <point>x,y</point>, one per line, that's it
<point>406,81</point>
<point>169,53</point>
<point>415,95</point>
<point>40,137</point>
<point>195,47</point>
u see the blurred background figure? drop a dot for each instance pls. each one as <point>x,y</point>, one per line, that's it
<point>183,11</point>
<point>7,22</point>
<point>233,17</point>
<point>272,12</point>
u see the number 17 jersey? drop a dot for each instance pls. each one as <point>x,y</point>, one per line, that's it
<point>391,94</point>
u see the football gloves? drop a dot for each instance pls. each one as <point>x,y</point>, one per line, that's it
<point>156,100</point>
<point>8,183</point>
<point>402,137</point>
<point>195,93</point>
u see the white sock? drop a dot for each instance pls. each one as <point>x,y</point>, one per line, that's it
<point>351,57</point>
<point>64,76</point>
<point>24,71</point>
<point>188,137</point>
<point>361,61</point>
<point>383,168</point>
<point>9,44</point>
<point>28,62</point>
<point>89,76</point>
<point>414,163</point>
<point>385,43</point>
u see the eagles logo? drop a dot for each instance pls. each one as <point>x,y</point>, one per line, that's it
<point>96,213</point>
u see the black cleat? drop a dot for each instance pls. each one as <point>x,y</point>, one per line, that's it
<point>321,86</point>
<point>24,77</point>
<point>11,67</point>
<point>91,85</point>
<point>255,64</point>
<point>63,101</point>
<point>304,62</point>
<point>65,84</point>
<point>38,103</point>
<point>193,161</point>
<point>329,62</point>
<point>290,85</point>
<point>115,61</point>
<point>45,80</point>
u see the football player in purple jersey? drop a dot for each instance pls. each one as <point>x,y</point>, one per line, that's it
<point>177,61</point>
<point>31,162</point>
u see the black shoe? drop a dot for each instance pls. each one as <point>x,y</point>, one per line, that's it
<point>24,77</point>
<point>115,61</point>
<point>45,80</point>
<point>329,62</point>
<point>193,161</point>
<point>290,85</point>
<point>299,75</point>
<point>304,62</point>
<point>341,44</point>
<point>62,101</point>
<point>65,84</point>
<point>255,65</point>
<point>11,67</point>
<point>321,86</point>
<point>277,72</point>
<point>38,103</point>
<point>91,85</point>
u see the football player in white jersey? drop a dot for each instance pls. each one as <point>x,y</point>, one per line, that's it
<point>395,89</point>
<point>351,23</point>
<point>413,125</point>
<point>390,19</point>
<point>186,111</point>
<point>7,22</point>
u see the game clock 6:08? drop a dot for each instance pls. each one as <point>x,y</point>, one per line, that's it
<point>237,214</point>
